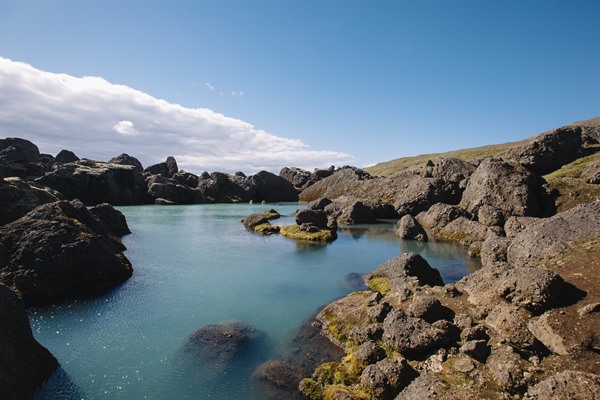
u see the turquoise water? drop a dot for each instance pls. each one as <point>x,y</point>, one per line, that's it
<point>197,265</point>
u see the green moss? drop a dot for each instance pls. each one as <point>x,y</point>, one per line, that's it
<point>389,351</point>
<point>266,229</point>
<point>294,232</point>
<point>334,392</point>
<point>334,373</point>
<point>271,214</point>
<point>382,284</point>
<point>312,389</point>
<point>335,326</point>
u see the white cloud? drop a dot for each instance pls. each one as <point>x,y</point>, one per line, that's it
<point>93,118</point>
<point>210,87</point>
<point>125,128</point>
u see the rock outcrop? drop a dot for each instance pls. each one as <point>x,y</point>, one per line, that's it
<point>20,158</point>
<point>24,363</point>
<point>80,255</point>
<point>18,197</point>
<point>95,182</point>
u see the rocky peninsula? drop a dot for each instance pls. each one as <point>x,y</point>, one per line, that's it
<point>523,326</point>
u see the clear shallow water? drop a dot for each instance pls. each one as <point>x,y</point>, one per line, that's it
<point>197,265</point>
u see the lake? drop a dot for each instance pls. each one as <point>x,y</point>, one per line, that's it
<point>197,265</point>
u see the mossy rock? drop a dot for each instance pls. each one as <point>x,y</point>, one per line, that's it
<point>382,284</point>
<point>294,232</point>
<point>271,214</point>
<point>266,229</point>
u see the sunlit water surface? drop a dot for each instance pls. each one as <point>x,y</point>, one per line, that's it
<point>197,265</point>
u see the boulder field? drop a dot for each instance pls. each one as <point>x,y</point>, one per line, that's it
<point>523,326</point>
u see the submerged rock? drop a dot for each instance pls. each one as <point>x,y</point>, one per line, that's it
<point>222,343</point>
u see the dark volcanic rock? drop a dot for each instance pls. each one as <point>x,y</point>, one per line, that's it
<point>508,188</point>
<point>223,342</point>
<point>315,218</point>
<point>279,379</point>
<point>65,156</point>
<point>385,379</point>
<point>439,215</point>
<point>95,182</point>
<point>551,150</point>
<point>409,228</point>
<point>417,193</point>
<point>18,197</point>
<point>20,158</point>
<point>126,159</point>
<point>343,182</point>
<point>59,250</point>
<point>407,267</point>
<point>271,188</point>
<point>187,178</point>
<point>174,192</point>
<point>24,363</point>
<point>534,289</point>
<point>114,219</point>
<point>166,168</point>
<point>450,170</point>
<point>410,336</point>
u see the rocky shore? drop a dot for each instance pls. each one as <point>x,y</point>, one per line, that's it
<point>524,326</point>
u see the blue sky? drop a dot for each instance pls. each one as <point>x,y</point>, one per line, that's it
<point>250,85</point>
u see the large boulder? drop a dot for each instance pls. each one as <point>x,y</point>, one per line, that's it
<point>508,188</point>
<point>545,242</point>
<point>573,385</point>
<point>24,363</point>
<point>112,218</point>
<point>439,215</point>
<point>551,150</point>
<point>533,289</point>
<point>271,188</point>
<point>417,193</point>
<point>65,156</point>
<point>18,197</point>
<point>20,158</point>
<point>166,168</point>
<point>60,250</point>
<point>410,336</point>
<point>343,182</point>
<point>406,268</point>
<point>450,170</point>
<point>386,378</point>
<point>409,228</point>
<point>95,182</point>
<point>126,159</point>
<point>174,192</point>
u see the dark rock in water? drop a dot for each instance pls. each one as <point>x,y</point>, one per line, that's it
<point>79,256</point>
<point>95,182</point>
<point>166,168</point>
<point>18,197</point>
<point>279,379</point>
<point>24,363</point>
<point>319,204</point>
<point>271,188</point>
<point>439,215</point>
<point>404,268</point>
<point>354,282</point>
<point>259,223</point>
<point>573,385</point>
<point>163,188</point>
<point>126,159</point>
<point>309,347</point>
<point>551,150</point>
<point>409,228</point>
<point>187,179</point>
<point>65,156</point>
<point>314,218</point>
<point>222,343</point>
<point>114,219</point>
